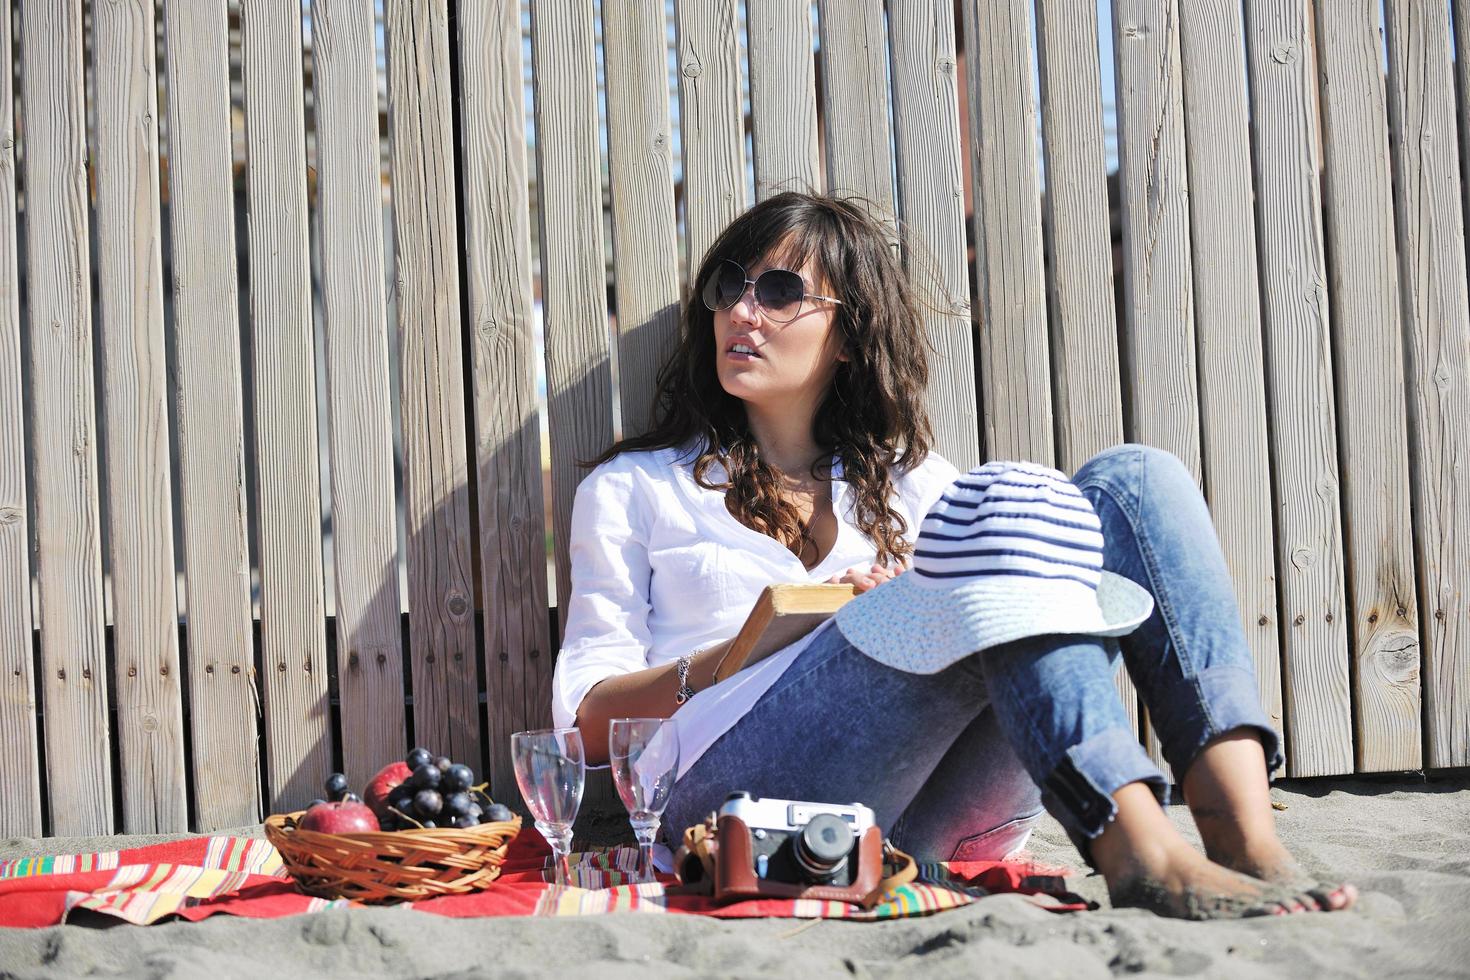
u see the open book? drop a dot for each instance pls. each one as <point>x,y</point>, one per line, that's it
<point>782,615</point>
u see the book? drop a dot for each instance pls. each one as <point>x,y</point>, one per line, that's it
<point>782,615</point>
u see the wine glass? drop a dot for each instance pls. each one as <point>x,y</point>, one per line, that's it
<point>644,753</point>
<point>551,768</point>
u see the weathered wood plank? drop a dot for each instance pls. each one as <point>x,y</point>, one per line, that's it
<point>1364,287</point>
<point>1158,329</point>
<point>1015,373</point>
<point>1227,324</point>
<point>298,731</point>
<point>710,121</point>
<point>931,196</point>
<point>63,450</point>
<point>369,650</point>
<point>223,698</point>
<point>1075,221</point>
<point>640,170</point>
<point>573,283</point>
<point>1084,326</point>
<point>497,242</point>
<point>1431,250</point>
<point>783,97</point>
<point>20,767</point>
<point>856,134</point>
<point>145,613</point>
<point>446,703</point>
<point>1282,68</point>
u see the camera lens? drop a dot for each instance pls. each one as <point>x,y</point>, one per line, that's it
<point>822,847</point>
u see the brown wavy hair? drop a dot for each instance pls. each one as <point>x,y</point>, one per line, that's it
<point>873,417</point>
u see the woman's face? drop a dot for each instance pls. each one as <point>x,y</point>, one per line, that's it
<point>770,364</point>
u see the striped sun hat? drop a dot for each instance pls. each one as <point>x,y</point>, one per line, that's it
<point>1011,550</point>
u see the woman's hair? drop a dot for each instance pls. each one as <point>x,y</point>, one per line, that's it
<point>872,417</point>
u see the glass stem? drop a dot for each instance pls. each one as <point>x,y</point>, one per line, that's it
<point>560,839</point>
<point>647,833</point>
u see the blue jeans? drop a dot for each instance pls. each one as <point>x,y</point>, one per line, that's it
<point>959,764</point>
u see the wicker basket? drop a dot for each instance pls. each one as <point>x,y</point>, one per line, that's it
<point>390,866</point>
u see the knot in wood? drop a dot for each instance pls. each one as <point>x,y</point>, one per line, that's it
<point>693,69</point>
<point>945,65</point>
<point>458,606</point>
<point>10,515</point>
<point>235,669</point>
<point>1284,53</point>
<point>1303,558</point>
<point>150,723</point>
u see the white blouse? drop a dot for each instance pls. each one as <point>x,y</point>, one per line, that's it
<point>660,569</point>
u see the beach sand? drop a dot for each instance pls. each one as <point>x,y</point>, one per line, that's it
<point>1405,843</point>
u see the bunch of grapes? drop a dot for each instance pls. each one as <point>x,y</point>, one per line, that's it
<point>440,793</point>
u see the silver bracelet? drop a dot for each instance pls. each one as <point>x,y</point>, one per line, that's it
<point>685,692</point>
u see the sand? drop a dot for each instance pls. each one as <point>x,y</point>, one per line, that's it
<point>1405,843</point>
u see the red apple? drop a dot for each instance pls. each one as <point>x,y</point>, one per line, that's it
<point>388,779</point>
<point>339,818</point>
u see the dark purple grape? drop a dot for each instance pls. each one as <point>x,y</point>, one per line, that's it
<point>444,762</point>
<point>419,757</point>
<point>426,776</point>
<point>465,823</point>
<point>474,812</point>
<point>459,777</point>
<point>457,804</point>
<point>336,786</point>
<point>496,813</point>
<point>315,803</point>
<point>428,802</point>
<point>401,798</point>
<point>428,824</point>
<point>351,798</point>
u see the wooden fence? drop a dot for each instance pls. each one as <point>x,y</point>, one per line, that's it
<point>1293,324</point>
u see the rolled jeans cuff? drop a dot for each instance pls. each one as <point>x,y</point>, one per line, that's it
<point>1079,791</point>
<point>1222,699</point>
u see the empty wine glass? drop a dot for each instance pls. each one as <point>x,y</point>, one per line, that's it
<point>551,769</point>
<point>644,753</point>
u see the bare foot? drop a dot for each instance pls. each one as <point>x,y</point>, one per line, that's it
<point>1148,865</point>
<point>1230,801</point>
<point>1268,860</point>
<point>1178,882</point>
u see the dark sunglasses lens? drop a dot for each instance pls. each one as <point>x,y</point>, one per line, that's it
<point>780,292</point>
<point>723,288</point>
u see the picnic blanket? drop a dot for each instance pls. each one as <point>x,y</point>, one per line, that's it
<point>197,877</point>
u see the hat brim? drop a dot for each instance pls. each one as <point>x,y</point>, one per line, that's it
<point>915,627</point>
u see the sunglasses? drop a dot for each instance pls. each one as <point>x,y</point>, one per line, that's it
<point>778,292</point>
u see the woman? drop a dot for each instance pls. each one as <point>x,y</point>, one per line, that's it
<point>790,443</point>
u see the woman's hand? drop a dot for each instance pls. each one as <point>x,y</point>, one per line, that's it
<point>863,579</point>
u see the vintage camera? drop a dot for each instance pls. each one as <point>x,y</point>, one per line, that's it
<point>799,843</point>
<point>790,849</point>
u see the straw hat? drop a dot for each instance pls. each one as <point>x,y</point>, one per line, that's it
<point>1011,550</point>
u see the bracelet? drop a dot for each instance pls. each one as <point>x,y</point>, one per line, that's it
<point>685,692</point>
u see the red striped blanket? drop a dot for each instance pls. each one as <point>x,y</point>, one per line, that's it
<point>198,877</point>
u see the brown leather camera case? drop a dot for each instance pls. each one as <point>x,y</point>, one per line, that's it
<point>735,876</point>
